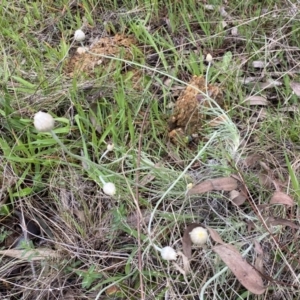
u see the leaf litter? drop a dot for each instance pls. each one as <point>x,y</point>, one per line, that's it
<point>186,240</point>
<point>244,272</point>
<point>188,116</point>
<point>85,62</point>
<point>282,198</point>
<point>216,184</point>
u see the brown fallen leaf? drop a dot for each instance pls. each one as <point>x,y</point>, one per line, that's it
<point>150,176</point>
<point>132,218</point>
<point>295,87</point>
<point>186,240</point>
<point>112,290</point>
<point>250,226</point>
<point>259,257</point>
<point>263,208</point>
<point>279,221</point>
<point>251,160</point>
<point>259,64</point>
<point>215,236</point>
<point>35,254</point>
<point>238,198</point>
<point>80,214</point>
<point>69,296</point>
<point>243,271</point>
<point>256,100</point>
<point>216,184</point>
<point>282,198</point>
<point>248,80</point>
<point>265,180</point>
<point>270,83</point>
<point>264,166</point>
<point>185,262</point>
<point>291,108</point>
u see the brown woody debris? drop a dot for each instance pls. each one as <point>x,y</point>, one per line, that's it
<point>187,119</point>
<point>84,62</point>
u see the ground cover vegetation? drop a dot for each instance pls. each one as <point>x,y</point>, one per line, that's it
<point>172,170</point>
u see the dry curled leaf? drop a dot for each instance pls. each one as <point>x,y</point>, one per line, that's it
<point>214,235</point>
<point>251,160</point>
<point>259,257</point>
<point>132,218</point>
<point>80,214</point>
<point>249,80</point>
<point>150,176</point>
<point>35,254</point>
<point>238,198</point>
<point>69,296</point>
<point>282,198</point>
<point>186,240</point>
<point>243,271</point>
<point>250,226</point>
<point>216,184</point>
<point>256,100</point>
<point>295,87</point>
<point>185,262</point>
<point>234,31</point>
<point>259,64</point>
<point>272,221</point>
<point>270,83</point>
<point>265,180</point>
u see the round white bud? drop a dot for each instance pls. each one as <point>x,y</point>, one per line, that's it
<point>79,35</point>
<point>168,253</point>
<point>189,186</point>
<point>209,58</point>
<point>43,122</point>
<point>110,147</point>
<point>109,189</point>
<point>199,235</point>
<point>81,50</point>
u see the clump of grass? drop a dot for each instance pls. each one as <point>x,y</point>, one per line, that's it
<point>105,243</point>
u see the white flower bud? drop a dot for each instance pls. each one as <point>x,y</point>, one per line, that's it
<point>109,189</point>
<point>189,186</point>
<point>79,35</point>
<point>199,235</point>
<point>209,58</point>
<point>43,122</point>
<point>81,50</point>
<point>110,147</point>
<point>168,253</point>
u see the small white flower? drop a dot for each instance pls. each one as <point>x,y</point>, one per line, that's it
<point>81,50</point>
<point>209,58</point>
<point>79,35</point>
<point>43,122</point>
<point>199,235</point>
<point>110,147</point>
<point>109,189</point>
<point>189,186</point>
<point>168,253</point>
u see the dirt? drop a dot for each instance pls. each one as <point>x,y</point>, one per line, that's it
<point>85,62</point>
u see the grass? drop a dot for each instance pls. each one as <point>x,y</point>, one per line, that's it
<point>105,244</point>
